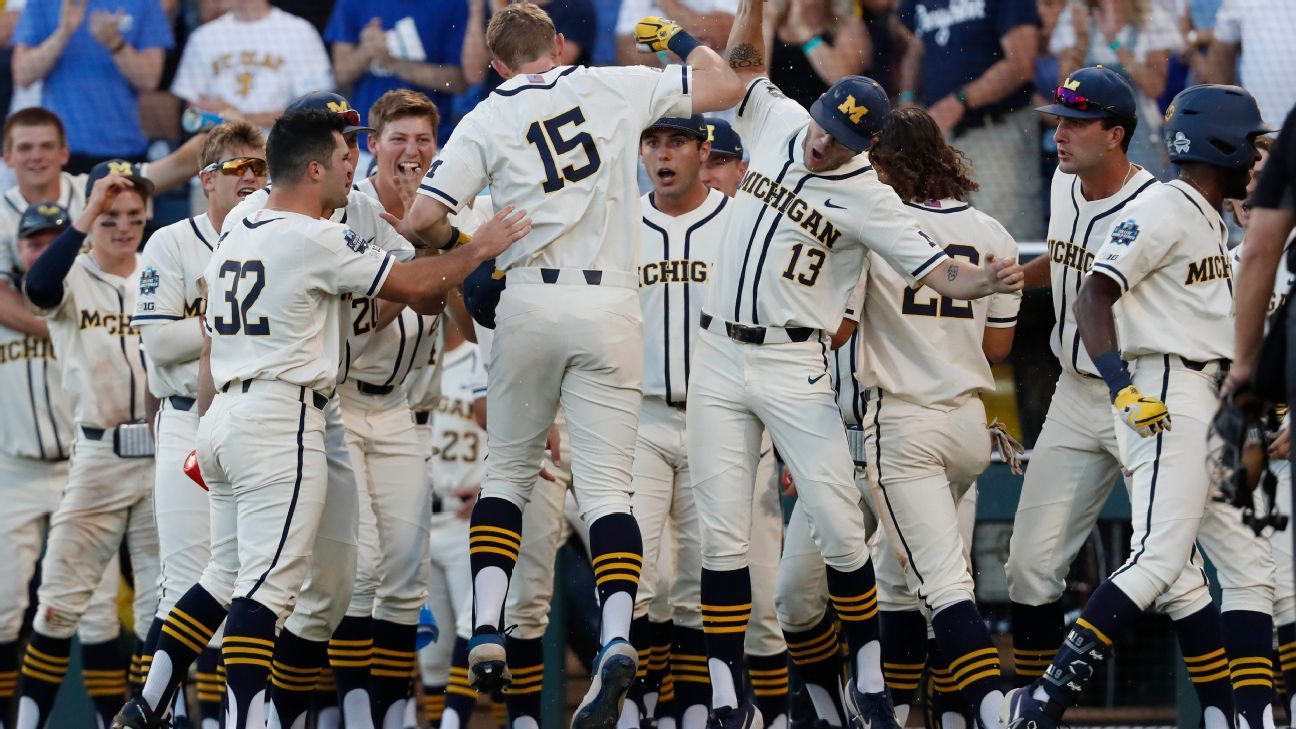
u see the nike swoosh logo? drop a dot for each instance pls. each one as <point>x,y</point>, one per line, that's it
<point>829,203</point>
<point>254,226</point>
<point>813,380</point>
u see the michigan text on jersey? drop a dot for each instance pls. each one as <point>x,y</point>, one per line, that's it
<point>785,201</point>
<point>26,348</point>
<point>680,270</point>
<point>117,324</point>
<point>1208,269</point>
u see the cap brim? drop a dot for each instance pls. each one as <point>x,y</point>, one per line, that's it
<point>1069,113</point>
<point>833,124</point>
<point>143,184</point>
<point>725,153</point>
<point>29,232</point>
<point>691,131</point>
<point>356,130</point>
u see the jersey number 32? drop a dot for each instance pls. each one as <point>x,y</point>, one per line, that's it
<point>547,136</point>
<point>233,274</point>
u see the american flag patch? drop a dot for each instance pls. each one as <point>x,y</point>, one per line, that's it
<point>535,78</point>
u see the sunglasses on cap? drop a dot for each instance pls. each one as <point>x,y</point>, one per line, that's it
<point>237,165</point>
<point>1072,100</point>
<point>351,117</point>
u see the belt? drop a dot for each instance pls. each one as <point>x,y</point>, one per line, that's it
<point>572,277</point>
<point>1199,366</point>
<point>94,433</point>
<point>318,399</point>
<point>757,335</point>
<point>422,417</point>
<point>678,405</point>
<point>180,402</point>
<point>367,389</point>
<point>438,505</point>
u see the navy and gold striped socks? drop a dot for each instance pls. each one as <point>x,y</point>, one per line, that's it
<point>1287,662</point>
<point>494,538</point>
<point>973,658</point>
<point>460,697</point>
<point>294,671</point>
<point>185,633</point>
<point>944,703</point>
<point>211,684</point>
<point>350,655</point>
<point>1247,636</point>
<point>434,703</point>
<point>689,675</point>
<point>726,608</point>
<point>8,679</point>
<point>854,598</point>
<point>816,662</point>
<point>44,665</point>
<point>1037,631</point>
<point>769,683</point>
<point>526,663</point>
<point>1201,639</point>
<point>105,677</point>
<point>248,648</point>
<point>617,551</point>
<point>641,689</point>
<point>659,638</point>
<point>324,701</point>
<point>1107,614</point>
<point>394,661</point>
<point>904,656</point>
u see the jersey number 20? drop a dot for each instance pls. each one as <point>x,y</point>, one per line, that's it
<point>942,305</point>
<point>547,136</point>
<point>239,271</point>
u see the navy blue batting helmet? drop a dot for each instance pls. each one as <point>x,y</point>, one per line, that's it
<point>1215,124</point>
<point>852,111</point>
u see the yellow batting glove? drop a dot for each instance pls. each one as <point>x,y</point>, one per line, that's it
<point>1146,416</point>
<point>653,33</point>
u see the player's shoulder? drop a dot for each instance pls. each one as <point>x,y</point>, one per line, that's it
<point>362,206</point>
<point>998,239</point>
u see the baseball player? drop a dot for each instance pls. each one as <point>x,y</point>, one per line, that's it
<point>574,129</point>
<point>279,276</point>
<point>87,299</point>
<point>762,359</point>
<point>1167,264</point>
<point>683,222</point>
<point>168,311</point>
<point>37,434</point>
<point>724,167</point>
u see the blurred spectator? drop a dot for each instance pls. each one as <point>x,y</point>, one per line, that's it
<point>380,45</point>
<point>575,20</point>
<point>316,12</point>
<point>1134,37</point>
<point>816,42</point>
<point>1265,33</point>
<point>94,57</point>
<point>254,59</point>
<point>890,42</point>
<point>978,60</point>
<point>708,20</point>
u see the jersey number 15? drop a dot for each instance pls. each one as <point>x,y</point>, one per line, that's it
<point>239,306</point>
<point>547,136</point>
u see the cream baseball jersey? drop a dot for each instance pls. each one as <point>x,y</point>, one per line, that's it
<point>99,351</point>
<point>13,205</point>
<point>1077,229</point>
<point>174,259</point>
<point>460,445</point>
<point>921,346</point>
<point>788,222</point>
<point>844,361</point>
<point>675,255</point>
<point>563,146</point>
<point>37,422</point>
<point>1169,255</point>
<point>275,308</point>
<point>1283,278</point>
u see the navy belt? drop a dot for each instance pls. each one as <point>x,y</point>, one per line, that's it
<point>94,433</point>
<point>367,389</point>
<point>592,277</point>
<point>422,417</point>
<point>756,334</point>
<point>181,403</point>
<point>319,400</point>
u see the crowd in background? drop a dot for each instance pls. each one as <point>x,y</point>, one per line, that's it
<point>120,72</point>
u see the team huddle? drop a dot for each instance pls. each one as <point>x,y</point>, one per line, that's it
<point>280,410</point>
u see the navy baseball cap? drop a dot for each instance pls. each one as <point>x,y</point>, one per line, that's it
<point>134,171</point>
<point>1093,93</point>
<point>329,101</point>
<point>694,125</point>
<point>724,140</point>
<point>481,293</point>
<point>852,111</point>
<point>40,216</point>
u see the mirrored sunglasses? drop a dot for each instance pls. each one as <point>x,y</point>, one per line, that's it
<point>238,165</point>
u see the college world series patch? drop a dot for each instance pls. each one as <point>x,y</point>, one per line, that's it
<point>1125,233</point>
<point>355,242</point>
<point>148,281</point>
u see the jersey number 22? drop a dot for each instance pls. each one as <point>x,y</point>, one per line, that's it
<point>547,136</point>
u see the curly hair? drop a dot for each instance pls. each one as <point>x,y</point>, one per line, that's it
<point>918,164</point>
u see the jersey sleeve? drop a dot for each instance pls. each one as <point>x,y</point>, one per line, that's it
<point>460,171</point>
<point>8,253</point>
<point>1135,247</point>
<point>161,283</point>
<point>651,93</point>
<point>343,263</point>
<point>477,380</point>
<point>765,110</point>
<point>892,233</point>
<point>1003,306</point>
<point>855,304</point>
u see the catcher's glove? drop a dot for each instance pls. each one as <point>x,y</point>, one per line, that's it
<point>652,34</point>
<point>1147,416</point>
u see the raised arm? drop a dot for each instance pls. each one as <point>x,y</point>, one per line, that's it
<point>715,85</point>
<point>746,49</point>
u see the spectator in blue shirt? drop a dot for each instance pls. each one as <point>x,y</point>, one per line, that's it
<point>380,45</point>
<point>978,65</point>
<point>95,57</point>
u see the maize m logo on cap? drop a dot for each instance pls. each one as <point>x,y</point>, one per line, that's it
<point>48,209</point>
<point>338,107</point>
<point>856,112</point>
<point>120,168</point>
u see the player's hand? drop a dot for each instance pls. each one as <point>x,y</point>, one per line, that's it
<point>1280,448</point>
<point>102,197</point>
<point>1006,274</point>
<point>652,33</point>
<point>1239,376</point>
<point>1146,416</point>
<point>494,236</point>
<point>71,15</point>
<point>469,498</point>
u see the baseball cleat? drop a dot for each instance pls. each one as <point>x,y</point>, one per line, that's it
<point>742,716</point>
<point>136,715</point>
<point>614,671</point>
<point>869,711</point>
<point>1021,710</point>
<point>487,665</point>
